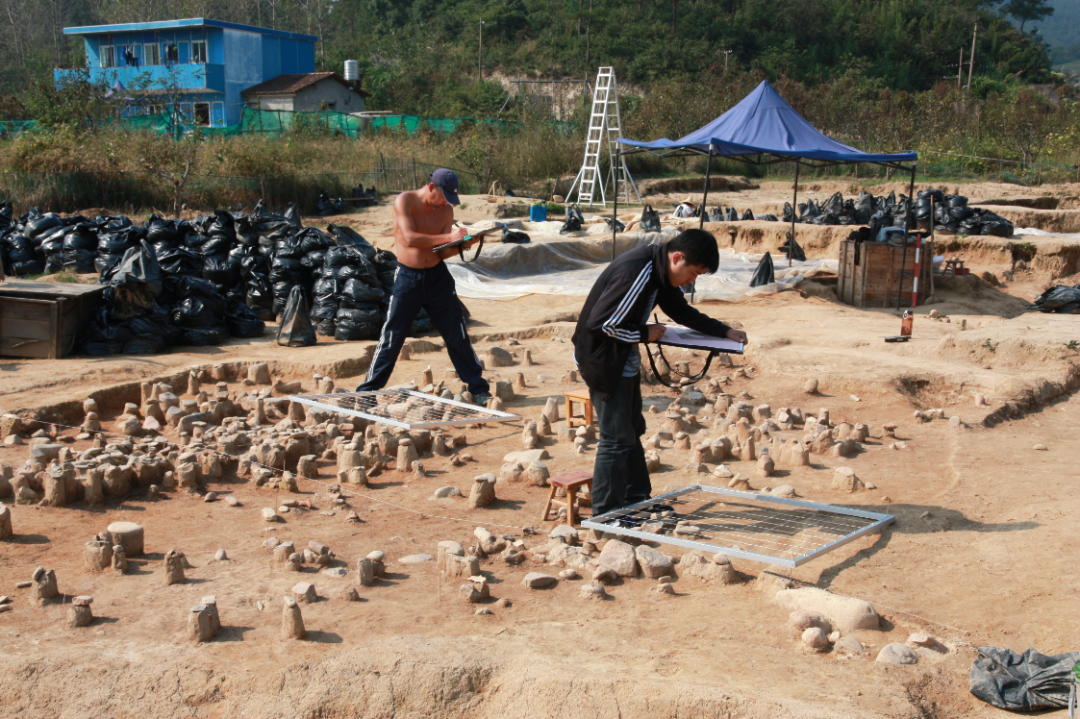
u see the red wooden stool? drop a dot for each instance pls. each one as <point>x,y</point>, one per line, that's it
<point>571,482</point>
<point>585,401</point>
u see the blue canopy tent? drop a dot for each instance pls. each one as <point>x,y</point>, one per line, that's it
<point>764,130</point>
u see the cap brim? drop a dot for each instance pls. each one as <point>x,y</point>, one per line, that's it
<point>451,197</point>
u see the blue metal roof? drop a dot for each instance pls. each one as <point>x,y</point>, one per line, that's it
<point>191,22</point>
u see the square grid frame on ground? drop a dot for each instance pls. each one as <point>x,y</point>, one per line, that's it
<point>775,530</point>
<point>404,408</point>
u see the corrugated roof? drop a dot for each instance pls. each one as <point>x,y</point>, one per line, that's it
<point>292,84</point>
<point>189,22</point>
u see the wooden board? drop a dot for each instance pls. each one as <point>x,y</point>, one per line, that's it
<point>41,320</point>
<point>875,281</point>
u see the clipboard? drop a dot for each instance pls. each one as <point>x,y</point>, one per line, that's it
<point>686,338</point>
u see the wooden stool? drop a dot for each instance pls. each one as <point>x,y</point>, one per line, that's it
<point>571,482</point>
<point>585,417</point>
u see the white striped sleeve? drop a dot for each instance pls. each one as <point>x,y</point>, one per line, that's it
<point>610,327</point>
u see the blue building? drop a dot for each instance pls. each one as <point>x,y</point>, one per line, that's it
<point>201,65</point>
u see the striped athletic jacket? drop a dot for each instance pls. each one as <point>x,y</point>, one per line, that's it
<point>610,325</point>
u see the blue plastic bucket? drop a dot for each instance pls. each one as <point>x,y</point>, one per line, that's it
<point>538,213</point>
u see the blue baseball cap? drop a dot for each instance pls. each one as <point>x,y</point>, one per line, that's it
<point>447,181</point>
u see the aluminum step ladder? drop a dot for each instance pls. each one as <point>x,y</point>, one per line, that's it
<point>604,125</point>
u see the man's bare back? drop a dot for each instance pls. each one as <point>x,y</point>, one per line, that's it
<point>422,220</point>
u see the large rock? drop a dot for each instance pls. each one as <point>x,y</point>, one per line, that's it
<point>620,557</point>
<point>845,613</point>
<point>654,563</point>
<point>538,580</point>
<point>710,569</point>
<point>498,357</point>
<point>897,653</point>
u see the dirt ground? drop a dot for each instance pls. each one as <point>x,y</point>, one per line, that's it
<point>981,552</point>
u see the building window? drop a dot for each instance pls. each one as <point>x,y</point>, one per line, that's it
<point>198,51</point>
<point>150,52</point>
<point>202,113</point>
<point>106,53</point>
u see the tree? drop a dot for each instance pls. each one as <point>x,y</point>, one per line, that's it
<point>1024,10</point>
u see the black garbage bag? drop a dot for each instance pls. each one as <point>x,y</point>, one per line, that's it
<point>216,245</point>
<point>242,321</point>
<point>313,261</point>
<point>348,237</point>
<point>313,240</point>
<point>997,228</point>
<point>292,216</point>
<point>796,250</point>
<point>574,220</point>
<point>42,225</point>
<point>220,271</point>
<point>731,215</point>
<point>105,262</point>
<point>326,206</point>
<point>296,329</point>
<point>178,261</point>
<point>789,214</point>
<point>769,217</point>
<point>201,307</point>
<point>763,275</point>
<point>516,237</point>
<point>613,222</point>
<point>139,266</point>
<point>650,219</point>
<point>82,236</point>
<point>326,328</point>
<point>747,215</point>
<point>971,226</point>
<point>324,310</point>
<point>286,269</point>
<point>1022,682</point>
<point>260,291</point>
<point>79,261</point>
<point>864,207</point>
<point>32,267</point>
<point>717,215</point>
<point>103,335</point>
<point>1059,298</point>
<point>325,290</point>
<point>289,246</point>
<point>353,325</point>
<point>354,293</point>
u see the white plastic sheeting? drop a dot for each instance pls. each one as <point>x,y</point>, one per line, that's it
<point>571,266</point>
<point>1040,233</point>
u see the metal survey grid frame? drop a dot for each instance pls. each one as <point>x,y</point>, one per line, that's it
<point>842,521</point>
<point>386,397</point>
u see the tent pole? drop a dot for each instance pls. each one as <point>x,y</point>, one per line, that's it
<point>794,213</point>
<point>615,208</point>
<point>705,197</point>
<point>909,220</point>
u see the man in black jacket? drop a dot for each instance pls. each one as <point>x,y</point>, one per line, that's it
<point>612,323</point>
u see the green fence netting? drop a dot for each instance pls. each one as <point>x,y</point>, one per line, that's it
<point>281,122</point>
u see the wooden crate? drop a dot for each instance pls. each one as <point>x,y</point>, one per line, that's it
<point>874,281</point>
<point>42,319</point>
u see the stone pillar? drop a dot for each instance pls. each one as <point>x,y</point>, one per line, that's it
<point>97,555</point>
<point>174,567</point>
<point>201,624</point>
<point>44,587</point>
<point>79,614</point>
<point>292,622</point>
<point>119,559</point>
<point>5,522</point>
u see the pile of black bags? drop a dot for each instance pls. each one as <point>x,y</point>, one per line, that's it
<point>951,213</point>
<point>200,282</point>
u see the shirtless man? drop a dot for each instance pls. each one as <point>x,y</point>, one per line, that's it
<point>423,219</point>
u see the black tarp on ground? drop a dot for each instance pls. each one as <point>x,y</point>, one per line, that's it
<point>1059,298</point>
<point>1022,682</point>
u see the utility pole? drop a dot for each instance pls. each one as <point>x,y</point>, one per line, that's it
<point>726,53</point>
<point>960,71</point>
<point>971,67</point>
<point>481,70</point>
